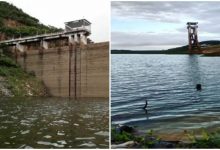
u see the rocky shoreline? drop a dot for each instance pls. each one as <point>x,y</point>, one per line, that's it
<point>129,137</point>
<point>123,136</point>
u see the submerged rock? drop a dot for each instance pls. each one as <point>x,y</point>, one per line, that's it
<point>124,128</point>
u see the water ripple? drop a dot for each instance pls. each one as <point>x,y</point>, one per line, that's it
<point>168,83</point>
<point>53,123</point>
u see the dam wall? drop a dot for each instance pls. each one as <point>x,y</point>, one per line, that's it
<point>78,71</point>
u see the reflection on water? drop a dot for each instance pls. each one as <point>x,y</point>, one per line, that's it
<point>53,123</point>
<point>168,83</point>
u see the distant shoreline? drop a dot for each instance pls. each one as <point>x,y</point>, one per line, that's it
<point>209,48</point>
<point>165,52</point>
<point>146,52</point>
<point>137,52</point>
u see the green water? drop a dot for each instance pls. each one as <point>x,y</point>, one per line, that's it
<point>53,123</point>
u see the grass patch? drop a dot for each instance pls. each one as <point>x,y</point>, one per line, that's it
<point>121,137</point>
<point>205,140</point>
<point>142,141</point>
<point>7,62</point>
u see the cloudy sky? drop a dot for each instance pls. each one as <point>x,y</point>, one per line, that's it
<point>56,12</point>
<point>161,25</point>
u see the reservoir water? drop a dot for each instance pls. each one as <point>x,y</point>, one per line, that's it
<point>168,83</point>
<point>53,123</point>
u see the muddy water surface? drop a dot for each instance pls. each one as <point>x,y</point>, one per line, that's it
<point>53,123</point>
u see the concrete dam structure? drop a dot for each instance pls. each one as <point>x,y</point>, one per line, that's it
<point>68,63</point>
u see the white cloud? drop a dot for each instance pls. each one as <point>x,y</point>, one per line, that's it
<point>146,40</point>
<point>178,13</point>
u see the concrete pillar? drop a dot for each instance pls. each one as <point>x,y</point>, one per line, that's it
<point>44,44</point>
<point>76,38</point>
<point>83,38</point>
<point>20,47</point>
<point>71,39</point>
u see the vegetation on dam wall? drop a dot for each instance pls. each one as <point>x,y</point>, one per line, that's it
<point>13,24</point>
<point>15,82</point>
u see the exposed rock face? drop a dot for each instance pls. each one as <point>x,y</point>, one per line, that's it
<point>12,23</point>
<point>15,23</point>
<point>2,36</point>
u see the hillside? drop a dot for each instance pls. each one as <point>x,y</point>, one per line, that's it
<point>13,80</point>
<point>205,45</point>
<point>15,23</point>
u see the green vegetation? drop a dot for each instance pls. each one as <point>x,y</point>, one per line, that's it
<point>122,137</point>
<point>8,11</point>
<point>142,141</point>
<point>19,82</point>
<point>15,23</point>
<point>206,140</point>
<point>178,50</point>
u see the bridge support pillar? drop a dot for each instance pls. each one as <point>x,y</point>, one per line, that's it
<point>83,38</point>
<point>44,44</point>
<point>20,47</point>
<point>76,38</point>
<point>71,39</point>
